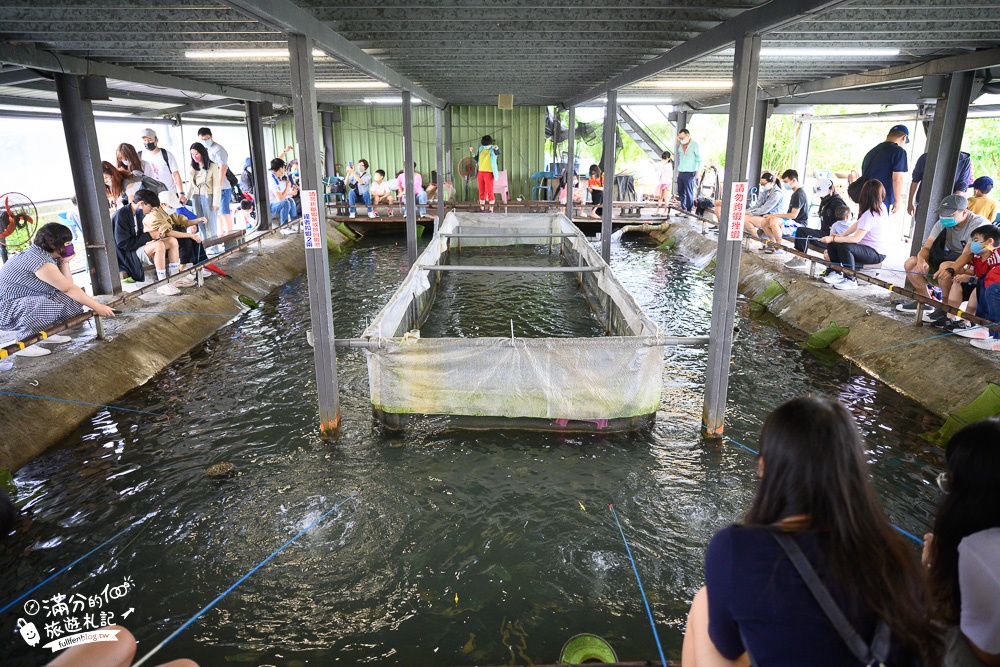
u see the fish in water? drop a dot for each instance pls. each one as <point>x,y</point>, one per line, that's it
<point>218,470</point>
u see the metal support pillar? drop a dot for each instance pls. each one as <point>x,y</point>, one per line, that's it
<point>411,201</point>
<point>329,156</point>
<point>448,177</point>
<point>88,183</point>
<point>756,163</point>
<point>259,166</point>
<point>610,139</point>
<point>727,263</point>
<point>802,150</point>
<point>439,146</point>
<point>317,261</point>
<point>943,146</point>
<point>570,161</point>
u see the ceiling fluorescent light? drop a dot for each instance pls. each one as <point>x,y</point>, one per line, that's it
<point>694,84</point>
<point>389,100</point>
<point>832,52</point>
<point>350,85</point>
<point>252,54</point>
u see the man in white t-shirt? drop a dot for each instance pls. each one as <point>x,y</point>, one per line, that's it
<point>281,192</point>
<point>380,191</point>
<point>163,163</point>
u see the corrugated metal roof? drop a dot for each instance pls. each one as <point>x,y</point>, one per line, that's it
<point>468,51</point>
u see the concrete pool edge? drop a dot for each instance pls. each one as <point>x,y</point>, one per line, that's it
<point>942,374</point>
<point>137,349</point>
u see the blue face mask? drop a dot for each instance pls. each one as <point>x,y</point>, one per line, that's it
<point>208,143</point>
<point>948,222</point>
<point>977,247</point>
<point>785,186</point>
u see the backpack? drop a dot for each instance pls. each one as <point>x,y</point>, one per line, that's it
<point>231,177</point>
<point>150,183</point>
<point>854,189</point>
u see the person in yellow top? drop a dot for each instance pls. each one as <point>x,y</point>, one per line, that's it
<point>982,204</point>
<point>204,188</point>
<point>486,159</point>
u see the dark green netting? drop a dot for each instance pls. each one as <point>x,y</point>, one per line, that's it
<point>773,291</point>
<point>820,340</point>
<point>987,404</point>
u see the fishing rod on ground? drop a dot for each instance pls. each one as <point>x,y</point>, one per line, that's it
<point>239,581</point>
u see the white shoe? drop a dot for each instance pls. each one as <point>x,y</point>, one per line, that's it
<point>979,333</point>
<point>186,281</point>
<point>846,283</point>
<point>991,344</point>
<point>32,351</point>
<point>56,338</point>
<point>288,231</point>
<point>168,290</point>
<point>351,215</point>
<point>372,214</point>
<point>834,278</point>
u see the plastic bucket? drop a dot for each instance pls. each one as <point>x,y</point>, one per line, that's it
<point>586,648</point>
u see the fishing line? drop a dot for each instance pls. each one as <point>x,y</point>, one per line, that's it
<point>95,405</point>
<point>756,453</point>
<point>921,340</point>
<point>95,549</point>
<point>239,581</point>
<point>652,623</point>
<point>175,312</point>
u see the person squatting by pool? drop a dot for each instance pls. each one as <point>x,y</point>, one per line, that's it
<point>37,290</point>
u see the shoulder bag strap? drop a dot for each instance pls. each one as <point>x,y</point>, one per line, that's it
<point>878,652</point>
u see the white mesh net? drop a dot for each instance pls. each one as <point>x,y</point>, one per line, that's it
<point>618,376</point>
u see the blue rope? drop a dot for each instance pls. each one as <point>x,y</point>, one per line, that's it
<point>97,548</point>
<point>756,453</point>
<point>240,581</point>
<point>652,623</point>
<point>66,400</point>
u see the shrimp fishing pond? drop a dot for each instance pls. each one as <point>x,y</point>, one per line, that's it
<point>462,547</point>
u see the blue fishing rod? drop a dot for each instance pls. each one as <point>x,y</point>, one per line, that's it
<point>652,623</point>
<point>239,581</point>
<point>68,567</point>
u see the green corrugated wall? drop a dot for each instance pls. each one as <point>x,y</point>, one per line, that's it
<point>375,133</point>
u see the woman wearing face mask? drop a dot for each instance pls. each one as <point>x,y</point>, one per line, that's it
<point>358,183</point>
<point>37,289</point>
<point>121,185</point>
<point>204,188</point>
<point>129,160</point>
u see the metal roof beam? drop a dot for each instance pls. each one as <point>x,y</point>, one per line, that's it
<point>843,97</point>
<point>294,20</point>
<point>197,105</point>
<point>958,63</point>
<point>29,56</point>
<point>20,76</point>
<point>767,17</point>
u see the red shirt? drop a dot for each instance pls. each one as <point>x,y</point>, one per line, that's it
<point>987,270</point>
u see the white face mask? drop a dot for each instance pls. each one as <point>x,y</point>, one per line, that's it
<point>170,211</point>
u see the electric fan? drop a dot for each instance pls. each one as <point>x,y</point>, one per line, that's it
<point>18,221</point>
<point>467,168</point>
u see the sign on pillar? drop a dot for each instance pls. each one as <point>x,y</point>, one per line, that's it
<point>310,220</point>
<point>737,208</point>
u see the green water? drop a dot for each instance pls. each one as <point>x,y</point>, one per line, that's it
<point>515,523</point>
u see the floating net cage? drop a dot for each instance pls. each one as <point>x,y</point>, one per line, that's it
<point>604,383</point>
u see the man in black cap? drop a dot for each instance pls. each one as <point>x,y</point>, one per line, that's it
<point>886,163</point>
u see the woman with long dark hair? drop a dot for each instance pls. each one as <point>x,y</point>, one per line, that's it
<point>963,552</point>
<point>815,527</point>
<point>204,189</point>
<point>37,288</point>
<point>129,160</point>
<point>863,243</point>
